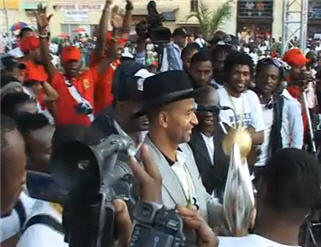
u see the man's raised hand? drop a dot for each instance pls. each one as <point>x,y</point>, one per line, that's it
<point>41,17</point>
<point>148,176</point>
<point>129,5</point>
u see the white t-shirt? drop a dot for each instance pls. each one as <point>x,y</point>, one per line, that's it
<point>268,121</point>
<point>10,225</point>
<point>251,240</point>
<point>41,235</point>
<point>247,108</point>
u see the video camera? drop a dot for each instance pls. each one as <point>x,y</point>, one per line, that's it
<point>156,226</point>
<point>87,179</point>
<point>93,176</point>
<point>152,26</point>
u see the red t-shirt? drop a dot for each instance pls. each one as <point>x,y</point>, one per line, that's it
<point>103,87</point>
<point>65,110</point>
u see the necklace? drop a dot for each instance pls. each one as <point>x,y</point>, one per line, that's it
<point>186,191</point>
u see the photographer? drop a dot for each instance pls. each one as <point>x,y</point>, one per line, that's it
<point>169,47</point>
<point>13,162</point>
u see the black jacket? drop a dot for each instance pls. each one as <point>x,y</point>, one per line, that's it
<point>213,176</point>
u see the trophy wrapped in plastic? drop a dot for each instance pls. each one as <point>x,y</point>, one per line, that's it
<point>238,204</point>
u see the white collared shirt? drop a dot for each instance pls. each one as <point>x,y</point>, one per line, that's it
<point>209,142</point>
<point>179,167</point>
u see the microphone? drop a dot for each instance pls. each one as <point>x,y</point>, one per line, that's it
<point>213,109</point>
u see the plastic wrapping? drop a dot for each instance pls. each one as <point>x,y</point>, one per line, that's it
<point>238,201</point>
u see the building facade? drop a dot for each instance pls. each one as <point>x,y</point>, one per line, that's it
<point>265,15</point>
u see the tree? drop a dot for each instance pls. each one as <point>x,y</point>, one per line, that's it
<point>210,21</point>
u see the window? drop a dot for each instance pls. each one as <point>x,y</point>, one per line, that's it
<point>255,8</point>
<point>194,5</point>
<point>314,9</point>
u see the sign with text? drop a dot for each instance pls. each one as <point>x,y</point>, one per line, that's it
<point>76,16</point>
<point>79,6</point>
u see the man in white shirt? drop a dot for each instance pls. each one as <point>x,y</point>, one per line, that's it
<point>169,105</point>
<point>289,186</point>
<point>281,112</point>
<point>244,103</point>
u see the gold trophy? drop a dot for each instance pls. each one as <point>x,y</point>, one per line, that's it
<point>240,136</point>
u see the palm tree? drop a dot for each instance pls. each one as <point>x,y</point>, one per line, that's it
<point>210,21</point>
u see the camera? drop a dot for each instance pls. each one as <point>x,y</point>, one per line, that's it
<point>86,179</point>
<point>93,176</point>
<point>156,226</point>
<point>152,26</point>
<point>83,108</point>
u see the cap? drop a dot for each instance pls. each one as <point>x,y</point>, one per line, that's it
<point>70,53</point>
<point>8,85</point>
<point>32,74</point>
<point>8,62</point>
<point>29,43</point>
<point>165,88</point>
<point>295,57</point>
<point>128,83</point>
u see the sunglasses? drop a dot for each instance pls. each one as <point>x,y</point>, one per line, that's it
<point>272,61</point>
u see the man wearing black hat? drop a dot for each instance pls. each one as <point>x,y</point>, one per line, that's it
<point>169,105</point>
<point>127,90</point>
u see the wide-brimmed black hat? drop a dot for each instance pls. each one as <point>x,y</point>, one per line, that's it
<point>165,88</point>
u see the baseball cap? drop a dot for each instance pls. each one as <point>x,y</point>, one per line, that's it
<point>128,83</point>
<point>70,53</point>
<point>295,57</point>
<point>8,62</point>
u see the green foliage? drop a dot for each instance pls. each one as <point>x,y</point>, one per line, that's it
<point>210,21</point>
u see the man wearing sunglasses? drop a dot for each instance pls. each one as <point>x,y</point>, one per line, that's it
<point>281,112</point>
<point>206,142</point>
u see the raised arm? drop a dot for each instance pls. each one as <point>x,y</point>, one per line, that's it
<point>112,45</point>
<point>43,22</point>
<point>102,31</point>
<point>127,19</point>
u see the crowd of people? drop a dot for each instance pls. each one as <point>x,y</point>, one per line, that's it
<point>176,100</point>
